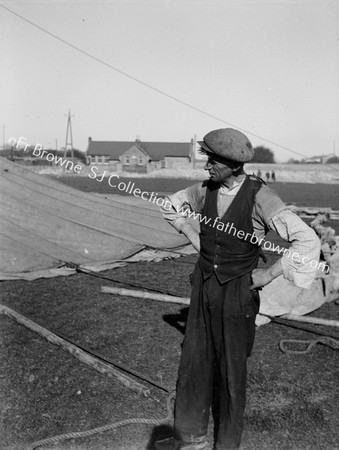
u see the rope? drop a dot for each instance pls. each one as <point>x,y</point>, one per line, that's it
<point>333,343</point>
<point>103,277</point>
<point>118,366</point>
<point>81,434</point>
<point>302,327</point>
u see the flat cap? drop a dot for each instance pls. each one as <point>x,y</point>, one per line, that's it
<point>229,144</point>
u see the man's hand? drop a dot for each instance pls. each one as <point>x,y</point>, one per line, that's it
<point>260,277</point>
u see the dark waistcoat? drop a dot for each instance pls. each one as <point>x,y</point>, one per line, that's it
<point>223,248</point>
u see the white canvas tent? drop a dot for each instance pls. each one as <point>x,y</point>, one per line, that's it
<point>45,224</point>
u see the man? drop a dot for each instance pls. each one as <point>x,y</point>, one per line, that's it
<point>236,211</point>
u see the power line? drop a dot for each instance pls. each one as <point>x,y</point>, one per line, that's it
<point>143,83</point>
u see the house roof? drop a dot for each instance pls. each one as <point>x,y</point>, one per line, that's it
<point>320,157</point>
<point>156,150</point>
<point>108,148</point>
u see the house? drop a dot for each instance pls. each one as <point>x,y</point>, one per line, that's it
<point>138,156</point>
<point>321,159</point>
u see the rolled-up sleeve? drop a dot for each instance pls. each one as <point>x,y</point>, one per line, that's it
<point>300,261</point>
<point>177,207</point>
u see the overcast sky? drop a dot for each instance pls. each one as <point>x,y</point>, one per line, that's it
<point>267,67</point>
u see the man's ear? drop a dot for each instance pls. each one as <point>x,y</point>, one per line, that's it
<point>237,168</point>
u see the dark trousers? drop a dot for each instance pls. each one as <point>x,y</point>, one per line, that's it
<point>219,337</point>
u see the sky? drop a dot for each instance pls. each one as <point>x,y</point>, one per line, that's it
<point>171,70</point>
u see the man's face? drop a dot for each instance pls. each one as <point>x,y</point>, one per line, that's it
<point>220,172</point>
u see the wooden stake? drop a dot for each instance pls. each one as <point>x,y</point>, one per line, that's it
<point>84,357</point>
<point>186,301</point>
<point>307,319</point>
<point>147,295</point>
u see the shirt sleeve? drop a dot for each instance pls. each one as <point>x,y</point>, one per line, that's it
<point>178,207</point>
<point>300,261</point>
<point>267,204</point>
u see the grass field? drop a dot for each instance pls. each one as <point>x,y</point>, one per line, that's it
<point>301,194</point>
<point>292,399</point>
<point>287,173</point>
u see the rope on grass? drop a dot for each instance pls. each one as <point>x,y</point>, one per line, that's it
<point>326,340</point>
<point>114,280</point>
<point>81,434</point>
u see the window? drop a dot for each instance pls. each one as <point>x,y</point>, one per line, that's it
<point>127,160</point>
<point>141,161</point>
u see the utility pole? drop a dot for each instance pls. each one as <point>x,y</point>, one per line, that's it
<point>3,137</point>
<point>69,136</point>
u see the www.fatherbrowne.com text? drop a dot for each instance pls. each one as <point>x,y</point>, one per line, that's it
<point>250,237</point>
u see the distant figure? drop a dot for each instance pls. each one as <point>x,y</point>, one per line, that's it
<point>259,173</point>
<point>267,176</point>
<point>273,176</point>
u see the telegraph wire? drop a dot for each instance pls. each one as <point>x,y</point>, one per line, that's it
<point>149,86</point>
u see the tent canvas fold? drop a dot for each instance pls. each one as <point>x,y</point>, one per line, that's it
<point>45,224</point>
